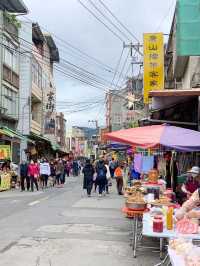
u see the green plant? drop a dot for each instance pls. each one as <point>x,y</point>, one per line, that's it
<point>12,19</point>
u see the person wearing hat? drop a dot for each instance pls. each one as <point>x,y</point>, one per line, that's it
<point>193,181</point>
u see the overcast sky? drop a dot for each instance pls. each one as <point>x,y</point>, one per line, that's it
<point>68,20</point>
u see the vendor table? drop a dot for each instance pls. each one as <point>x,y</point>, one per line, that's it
<point>136,217</point>
<point>147,230</point>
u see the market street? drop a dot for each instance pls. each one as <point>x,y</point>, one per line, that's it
<point>61,227</point>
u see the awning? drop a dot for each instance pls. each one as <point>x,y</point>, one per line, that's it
<point>39,137</point>
<point>172,137</point>
<point>177,93</point>
<point>11,133</point>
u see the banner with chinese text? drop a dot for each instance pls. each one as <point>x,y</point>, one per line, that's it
<point>153,63</point>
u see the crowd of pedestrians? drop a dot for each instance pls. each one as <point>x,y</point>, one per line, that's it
<point>40,174</point>
<point>99,175</point>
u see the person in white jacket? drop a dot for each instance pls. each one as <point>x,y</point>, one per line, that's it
<point>44,172</point>
<point>108,177</point>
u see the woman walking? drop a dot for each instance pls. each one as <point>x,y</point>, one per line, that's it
<point>33,173</point>
<point>88,172</point>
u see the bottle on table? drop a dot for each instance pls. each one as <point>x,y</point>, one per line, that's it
<point>169,218</point>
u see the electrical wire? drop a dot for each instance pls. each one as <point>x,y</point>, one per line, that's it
<point>165,16</point>
<point>67,45</point>
<point>117,66</point>
<point>124,65</point>
<point>114,16</point>
<point>94,15</point>
<point>109,20</point>
<point>122,25</point>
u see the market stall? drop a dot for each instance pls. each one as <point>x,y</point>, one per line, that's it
<point>149,203</point>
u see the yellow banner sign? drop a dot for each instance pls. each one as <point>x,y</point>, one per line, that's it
<point>153,63</point>
<point>5,152</point>
<point>5,181</point>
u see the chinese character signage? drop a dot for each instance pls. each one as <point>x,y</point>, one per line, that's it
<point>5,152</point>
<point>153,63</point>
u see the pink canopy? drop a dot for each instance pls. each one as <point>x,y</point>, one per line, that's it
<point>151,136</point>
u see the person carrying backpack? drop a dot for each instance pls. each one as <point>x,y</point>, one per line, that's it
<point>101,176</point>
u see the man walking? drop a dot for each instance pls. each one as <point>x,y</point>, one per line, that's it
<point>24,176</point>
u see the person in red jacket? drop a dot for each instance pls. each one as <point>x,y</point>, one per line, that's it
<point>33,173</point>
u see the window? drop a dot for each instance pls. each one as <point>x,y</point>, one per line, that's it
<point>117,119</point>
<point>37,73</point>
<point>10,101</point>
<point>11,56</point>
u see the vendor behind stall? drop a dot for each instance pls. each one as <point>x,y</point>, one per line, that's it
<point>193,181</point>
<point>188,209</point>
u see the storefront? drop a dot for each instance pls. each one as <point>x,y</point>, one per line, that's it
<point>10,141</point>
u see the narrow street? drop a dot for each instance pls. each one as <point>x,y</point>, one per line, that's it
<point>51,227</point>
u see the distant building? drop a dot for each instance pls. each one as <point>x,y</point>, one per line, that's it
<point>61,131</point>
<point>122,105</point>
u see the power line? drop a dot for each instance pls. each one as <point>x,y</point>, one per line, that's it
<point>67,45</point>
<point>124,65</point>
<point>94,15</point>
<point>67,74</point>
<point>109,20</point>
<point>166,15</point>
<point>117,66</point>
<point>114,16</point>
<point>64,60</point>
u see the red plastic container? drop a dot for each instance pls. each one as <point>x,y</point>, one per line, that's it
<point>158,224</point>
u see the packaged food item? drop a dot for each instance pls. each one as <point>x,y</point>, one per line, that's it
<point>186,226</point>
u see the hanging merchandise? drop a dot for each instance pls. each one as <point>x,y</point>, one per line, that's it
<point>147,163</point>
<point>138,163</point>
<point>161,166</point>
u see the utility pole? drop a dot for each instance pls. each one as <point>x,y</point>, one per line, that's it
<point>136,47</point>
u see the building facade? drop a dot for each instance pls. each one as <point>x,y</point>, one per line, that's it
<point>38,53</point>
<point>179,103</point>
<point>10,79</point>
<point>61,131</point>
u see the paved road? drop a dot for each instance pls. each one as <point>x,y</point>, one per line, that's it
<point>61,227</point>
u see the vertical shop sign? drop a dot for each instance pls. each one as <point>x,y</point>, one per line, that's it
<point>153,63</point>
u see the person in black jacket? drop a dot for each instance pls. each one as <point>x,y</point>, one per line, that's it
<point>101,176</point>
<point>88,172</point>
<point>24,176</point>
